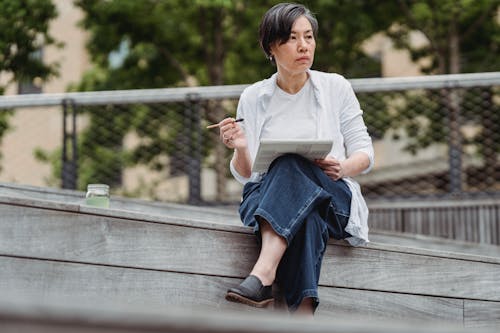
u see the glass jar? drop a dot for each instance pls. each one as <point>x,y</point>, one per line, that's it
<point>97,195</point>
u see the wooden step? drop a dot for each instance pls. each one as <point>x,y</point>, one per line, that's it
<point>66,249</point>
<point>228,215</point>
<point>66,315</point>
<point>204,213</point>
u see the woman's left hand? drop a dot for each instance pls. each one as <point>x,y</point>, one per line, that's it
<point>332,167</point>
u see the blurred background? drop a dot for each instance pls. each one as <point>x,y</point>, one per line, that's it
<point>120,92</point>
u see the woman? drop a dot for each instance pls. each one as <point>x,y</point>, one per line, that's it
<point>297,204</point>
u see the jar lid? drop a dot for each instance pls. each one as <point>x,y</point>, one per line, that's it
<point>97,187</point>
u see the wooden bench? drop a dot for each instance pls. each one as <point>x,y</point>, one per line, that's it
<point>50,248</point>
<point>228,215</point>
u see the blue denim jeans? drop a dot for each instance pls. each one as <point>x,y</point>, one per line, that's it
<point>306,207</point>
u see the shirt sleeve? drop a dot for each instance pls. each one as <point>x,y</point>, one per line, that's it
<point>353,128</point>
<point>243,112</point>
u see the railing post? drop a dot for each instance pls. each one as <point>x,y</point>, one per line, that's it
<point>455,141</point>
<point>193,153</point>
<point>69,169</point>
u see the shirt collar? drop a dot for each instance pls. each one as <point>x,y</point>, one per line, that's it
<point>269,86</point>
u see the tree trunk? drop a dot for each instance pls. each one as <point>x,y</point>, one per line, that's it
<point>212,31</point>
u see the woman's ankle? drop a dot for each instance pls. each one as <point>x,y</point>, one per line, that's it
<point>306,308</point>
<point>265,276</point>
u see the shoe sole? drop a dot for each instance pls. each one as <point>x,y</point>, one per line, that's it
<point>233,297</point>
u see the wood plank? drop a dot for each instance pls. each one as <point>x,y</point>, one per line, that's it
<point>19,212</point>
<point>469,224</point>
<point>481,314</point>
<point>336,302</point>
<point>431,203</point>
<point>121,242</point>
<point>40,279</point>
<point>494,218</point>
<point>122,214</point>
<point>484,216</point>
<point>434,243</point>
<point>113,317</point>
<point>209,214</point>
<point>460,219</point>
<point>58,235</point>
<point>367,268</point>
<point>44,279</point>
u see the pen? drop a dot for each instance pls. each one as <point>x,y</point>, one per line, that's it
<point>217,125</point>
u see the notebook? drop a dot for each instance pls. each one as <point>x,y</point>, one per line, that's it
<point>270,149</point>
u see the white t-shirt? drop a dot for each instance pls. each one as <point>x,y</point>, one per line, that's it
<point>291,116</point>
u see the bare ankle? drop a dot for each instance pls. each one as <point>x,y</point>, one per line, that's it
<point>265,276</point>
<point>306,308</point>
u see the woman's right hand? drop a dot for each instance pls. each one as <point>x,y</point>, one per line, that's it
<point>231,134</point>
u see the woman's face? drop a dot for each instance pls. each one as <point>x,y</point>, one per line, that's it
<point>296,55</point>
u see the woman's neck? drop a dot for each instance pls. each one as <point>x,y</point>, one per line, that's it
<point>292,83</point>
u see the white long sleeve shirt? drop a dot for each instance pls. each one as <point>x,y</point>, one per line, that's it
<point>339,118</point>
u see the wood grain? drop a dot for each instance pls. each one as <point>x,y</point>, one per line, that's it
<point>58,235</point>
<point>32,278</point>
<point>465,220</point>
<point>70,236</point>
<point>335,302</point>
<point>365,268</point>
<point>481,314</point>
<point>46,279</point>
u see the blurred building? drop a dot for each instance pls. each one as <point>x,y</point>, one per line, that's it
<point>42,127</point>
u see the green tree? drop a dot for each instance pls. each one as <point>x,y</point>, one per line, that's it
<point>24,26</point>
<point>149,44</point>
<point>462,36</point>
<point>168,43</point>
<point>344,25</point>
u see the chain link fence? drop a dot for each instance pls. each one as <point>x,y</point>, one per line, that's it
<point>434,136</point>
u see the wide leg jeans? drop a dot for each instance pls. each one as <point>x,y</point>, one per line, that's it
<point>304,206</point>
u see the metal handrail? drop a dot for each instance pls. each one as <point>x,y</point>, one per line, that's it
<point>164,95</point>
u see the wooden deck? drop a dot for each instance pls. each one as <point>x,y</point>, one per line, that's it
<point>475,220</point>
<point>465,221</point>
<point>172,255</point>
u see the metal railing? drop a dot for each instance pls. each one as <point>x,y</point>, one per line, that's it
<point>434,136</point>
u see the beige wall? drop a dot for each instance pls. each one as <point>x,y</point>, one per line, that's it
<point>73,57</point>
<point>42,127</point>
<point>395,63</point>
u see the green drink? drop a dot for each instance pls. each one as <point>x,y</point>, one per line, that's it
<point>97,195</point>
<point>102,202</point>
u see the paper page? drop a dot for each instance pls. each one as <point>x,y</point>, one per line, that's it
<point>269,150</point>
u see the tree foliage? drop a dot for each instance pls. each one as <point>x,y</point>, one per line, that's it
<point>462,36</point>
<point>23,32</point>
<point>149,44</point>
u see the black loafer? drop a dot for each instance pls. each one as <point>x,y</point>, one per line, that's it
<point>251,292</point>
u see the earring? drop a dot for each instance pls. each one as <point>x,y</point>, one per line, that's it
<point>271,58</point>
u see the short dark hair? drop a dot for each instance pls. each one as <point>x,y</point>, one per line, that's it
<point>277,22</point>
